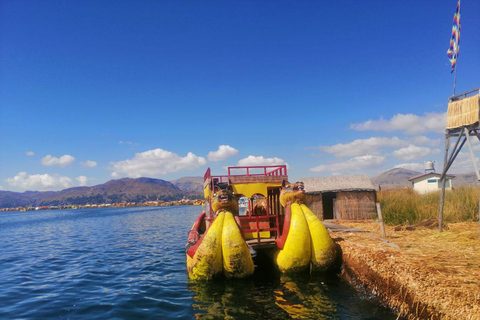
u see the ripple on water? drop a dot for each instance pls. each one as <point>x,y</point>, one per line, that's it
<point>129,263</point>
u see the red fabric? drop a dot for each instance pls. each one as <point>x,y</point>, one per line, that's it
<point>239,224</point>
<point>286,228</point>
<point>194,236</point>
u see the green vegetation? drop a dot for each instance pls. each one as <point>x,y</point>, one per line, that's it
<point>405,206</point>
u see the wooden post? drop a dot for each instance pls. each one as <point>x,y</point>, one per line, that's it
<point>442,195</point>
<point>380,220</point>
<point>472,155</point>
<point>454,153</point>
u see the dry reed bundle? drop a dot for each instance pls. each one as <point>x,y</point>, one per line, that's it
<point>463,112</point>
<point>428,275</point>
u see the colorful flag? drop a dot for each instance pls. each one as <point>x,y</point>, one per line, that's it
<point>452,52</point>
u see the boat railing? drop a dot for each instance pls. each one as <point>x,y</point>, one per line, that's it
<point>250,172</point>
<point>280,170</point>
<point>272,225</point>
<point>271,219</point>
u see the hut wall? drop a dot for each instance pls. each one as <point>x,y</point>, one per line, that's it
<point>314,202</point>
<point>355,205</point>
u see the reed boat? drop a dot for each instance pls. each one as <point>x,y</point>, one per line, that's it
<point>250,209</point>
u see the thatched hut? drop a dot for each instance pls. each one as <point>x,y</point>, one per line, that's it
<point>343,198</point>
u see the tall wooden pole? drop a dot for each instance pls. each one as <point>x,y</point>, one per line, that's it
<point>455,79</point>
<point>444,175</point>
<point>456,53</point>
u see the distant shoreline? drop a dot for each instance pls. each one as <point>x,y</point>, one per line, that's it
<point>183,202</point>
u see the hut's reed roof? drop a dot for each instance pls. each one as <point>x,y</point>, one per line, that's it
<point>340,183</point>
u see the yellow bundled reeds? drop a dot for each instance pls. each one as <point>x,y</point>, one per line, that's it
<point>463,112</point>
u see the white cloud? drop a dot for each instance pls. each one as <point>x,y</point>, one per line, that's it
<point>1,187</point>
<point>89,164</point>
<point>156,162</point>
<point>408,123</point>
<point>63,161</point>
<point>362,146</point>
<point>411,166</point>
<point>424,141</point>
<point>39,182</point>
<point>82,180</point>
<point>128,142</point>
<point>223,152</point>
<point>260,161</point>
<point>356,164</point>
<point>413,152</point>
<point>30,153</point>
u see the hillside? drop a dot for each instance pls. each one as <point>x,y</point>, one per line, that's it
<point>398,178</point>
<point>190,184</point>
<point>113,191</point>
<point>394,178</point>
<point>467,179</point>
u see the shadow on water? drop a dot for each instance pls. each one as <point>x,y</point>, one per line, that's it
<point>271,295</point>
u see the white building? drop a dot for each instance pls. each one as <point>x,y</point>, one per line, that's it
<point>430,181</point>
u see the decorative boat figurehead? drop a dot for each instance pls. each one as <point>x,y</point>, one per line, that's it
<point>292,192</point>
<point>224,200</point>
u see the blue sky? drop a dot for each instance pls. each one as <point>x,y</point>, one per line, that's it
<point>95,90</point>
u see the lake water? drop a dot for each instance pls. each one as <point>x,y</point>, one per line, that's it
<point>129,263</point>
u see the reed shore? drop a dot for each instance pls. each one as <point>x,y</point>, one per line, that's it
<point>418,272</point>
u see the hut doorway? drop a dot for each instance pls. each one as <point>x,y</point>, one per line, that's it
<point>328,200</point>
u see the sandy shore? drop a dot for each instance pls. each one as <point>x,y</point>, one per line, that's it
<point>421,274</point>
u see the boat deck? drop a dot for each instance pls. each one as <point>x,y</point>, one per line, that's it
<point>262,243</point>
<point>267,243</point>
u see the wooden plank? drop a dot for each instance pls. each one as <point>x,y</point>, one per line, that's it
<point>261,243</point>
<point>380,220</point>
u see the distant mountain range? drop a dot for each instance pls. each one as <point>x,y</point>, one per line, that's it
<point>398,177</point>
<point>113,191</point>
<point>148,189</point>
<point>190,184</point>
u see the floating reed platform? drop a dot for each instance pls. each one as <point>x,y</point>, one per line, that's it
<point>419,273</point>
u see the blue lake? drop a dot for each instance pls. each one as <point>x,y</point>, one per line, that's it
<point>129,263</point>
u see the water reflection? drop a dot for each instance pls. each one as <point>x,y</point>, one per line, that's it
<point>274,297</point>
<point>222,299</point>
<point>304,298</point>
<point>269,295</point>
